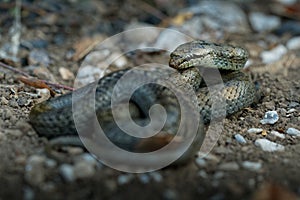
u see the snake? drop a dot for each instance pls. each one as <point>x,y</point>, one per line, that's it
<point>188,63</point>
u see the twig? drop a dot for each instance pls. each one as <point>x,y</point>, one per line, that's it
<point>56,85</point>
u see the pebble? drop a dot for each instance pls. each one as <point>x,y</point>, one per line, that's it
<point>218,175</point>
<point>269,146</point>
<point>254,130</point>
<point>170,194</point>
<point>270,117</point>
<point>144,178</point>
<point>293,132</point>
<point>89,74</point>
<point>200,162</point>
<point>240,139</point>
<point>14,132</point>
<point>124,178</point>
<point>293,104</point>
<point>261,22</point>
<point>229,166</point>
<point>143,34</point>
<point>2,136</point>
<point>277,134</point>
<point>38,58</point>
<point>293,43</point>
<point>156,176</point>
<point>253,166</point>
<point>274,54</point>
<point>66,74</point>
<point>202,173</point>
<point>34,170</point>
<point>67,172</point>
<point>84,170</point>
<point>221,15</point>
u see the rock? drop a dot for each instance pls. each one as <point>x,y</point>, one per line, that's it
<point>200,162</point>
<point>293,132</point>
<point>293,104</point>
<point>293,43</point>
<point>230,166</point>
<point>274,54</point>
<point>124,178</point>
<point>144,178</point>
<point>156,176</point>
<point>84,170</point>
<point>277,134</point>
<point>67,172</point>
<point>254,130</point>
<point>66,74</point>
<point>143,35</point>
<point>267,145</point>
<point>34,170</point>
<point>253,166</point>
<point>221,15</point>
<point>39,58</point>
<point>261,22</point>
<point>270,117</point>
<point>240,139</point>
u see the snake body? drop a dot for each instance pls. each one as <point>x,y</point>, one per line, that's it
<point>53,118</point>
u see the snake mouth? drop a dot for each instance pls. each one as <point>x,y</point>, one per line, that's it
<point>177,61</point>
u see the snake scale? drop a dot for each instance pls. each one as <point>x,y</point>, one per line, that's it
<point>53,118</point>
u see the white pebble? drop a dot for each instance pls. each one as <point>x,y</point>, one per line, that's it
<point>293,132</point>
<point>67,172</point>
<point>144,178</point>
<point>277,134</point>
<point>240,138</point>
<point>200,162</point>
<point>267,145</point>
<point>273,54</point>
<point>271,117</point>
<point>124,178</point>
<point>253,166</point>
<point>262,22</point>
<point>157,177</point>
<point>254,130</point>
<point>293,43</point>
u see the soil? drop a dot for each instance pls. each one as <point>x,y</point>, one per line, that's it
<point>279,83</point>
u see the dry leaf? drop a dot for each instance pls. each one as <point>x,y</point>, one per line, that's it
<point>36,83</point>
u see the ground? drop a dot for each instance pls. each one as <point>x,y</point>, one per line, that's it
<point>279,84</point>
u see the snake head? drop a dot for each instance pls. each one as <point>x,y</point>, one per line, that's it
<point>201,53</point>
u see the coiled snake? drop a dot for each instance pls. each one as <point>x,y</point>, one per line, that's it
<point>54,118</point>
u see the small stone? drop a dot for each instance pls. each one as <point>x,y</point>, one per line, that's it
<point>50,163</point>
<point>14,132</point>
<point>34,170</point>
<point>293,132</point>
<point>293,104</point>
<point>230,166</point>
<point>144,178</point>
<point>262,22</point>
<point>253,166</point>
<point>170,194</point>
<point>277,134</point>
<point>124,178</point>
<point>84,170</point>
<point>293,43</point>
<point>291,111</point>
<point>157,177</point>
<point>274,54</point>
<point>218,175</point>
<point>200,162</point>
<point>67,172</point>
<point>240,139</point>
<point>270,117</point>
<point>39,58</point>
<point>202,173</point>
<point>66,74</point>
<point>4,101</point>
<point>267,145</point>
<point>254,130</point>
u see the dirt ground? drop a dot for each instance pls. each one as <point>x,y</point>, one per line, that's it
<point>277,178</point>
